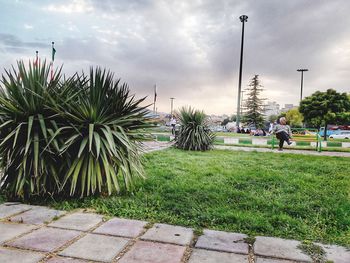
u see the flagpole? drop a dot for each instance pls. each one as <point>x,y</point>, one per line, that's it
<point>155,99</point>
<point>53,58</point>
<point>36,58</point>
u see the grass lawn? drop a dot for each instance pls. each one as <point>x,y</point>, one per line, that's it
<point>291,196</point>
<point>232,134</point>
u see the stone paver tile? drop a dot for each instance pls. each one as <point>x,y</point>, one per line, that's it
<point>45,239</point>
<point>150,252</point>
<point>337,254</point>
<point>96,247</point>
<point>271,260</point>
<point>64,260</point>
<point>169,234</point>
<point>9,209</point>
<point>37,216</point>
<point>206,256</point>
<point>10,231</point>
<point>14,255</point>
<point>122,227</point>
<point>223,241</point>
<point>78,221</point>
<point>279,248</point>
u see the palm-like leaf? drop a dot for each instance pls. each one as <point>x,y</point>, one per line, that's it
<point>100,125</point>
<point>26,127</point>
<point>194,133</point>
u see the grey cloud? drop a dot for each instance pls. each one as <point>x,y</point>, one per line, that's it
<point>191,48</point>
<point>12,43</point>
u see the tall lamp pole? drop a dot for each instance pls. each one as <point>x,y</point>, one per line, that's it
<point>171,106</point>
<point>242,102</point>
<point>302,81</point>
<point>243,19</point>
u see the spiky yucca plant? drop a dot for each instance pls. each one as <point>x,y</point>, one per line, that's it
<point>26,127</point>
<point>194,133</point>
<point>101,120</point>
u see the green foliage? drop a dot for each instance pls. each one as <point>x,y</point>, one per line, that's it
<point>290,196</point>
<point>194,132</point>
<point>76,136</point>
<point>225,121</point>
<point>323,108</point>
<point>316,252</point>
<point>233,118</point>
<point>294,118</point>
<point>282,114</point>
<point>101,123</point>
<point>30,164</point>
<point>272,118</point>
<point>253,114</point>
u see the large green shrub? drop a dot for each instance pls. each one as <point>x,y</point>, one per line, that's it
<point>77,136</point>
<point>194,133</point>
<point>28,162</point>
<point>100,130</point>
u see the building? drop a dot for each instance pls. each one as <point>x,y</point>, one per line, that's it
<point>271,108</point>
<point>288,107</point>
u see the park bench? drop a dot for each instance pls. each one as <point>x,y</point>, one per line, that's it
<point>308,136</point>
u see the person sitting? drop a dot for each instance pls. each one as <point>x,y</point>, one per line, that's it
<point>283,133</point>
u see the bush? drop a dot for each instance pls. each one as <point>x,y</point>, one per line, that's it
<point>29,163</point>
<point>100,130</point>
<point>194,133</point>
<point>77,136</point>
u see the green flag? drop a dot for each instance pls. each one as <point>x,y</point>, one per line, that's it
<point>53,53</point>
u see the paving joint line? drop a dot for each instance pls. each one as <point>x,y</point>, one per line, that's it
<point>131,243</point>
<point>189,249</point>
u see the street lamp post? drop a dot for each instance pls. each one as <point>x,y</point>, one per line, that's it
<point>171,106</point>
<point>302,81</point>
<point>243,19</point>
<point>242,102</point>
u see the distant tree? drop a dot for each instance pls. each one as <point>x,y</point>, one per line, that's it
<point>225,121</point>
<point>272,118</point>
<point>323,108</point>
<point>294,118</point>
<point>254,106</point>
<point>233,118</point>
<point>282,114</point>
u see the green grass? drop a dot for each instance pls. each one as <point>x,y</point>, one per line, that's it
<point>219,140</point>
<point>334,144</point>
<point>163,138</point>
<point>248,143</point>
<point>290,196</point>
<point>301,143</point>
<point>245,141</point>
<point>231,134</point>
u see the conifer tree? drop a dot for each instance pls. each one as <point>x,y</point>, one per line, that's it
<point>253,106</point>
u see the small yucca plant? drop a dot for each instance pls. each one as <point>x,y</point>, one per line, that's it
<point>26,128</point>
<point>194,132</point>
<point>100,129</point>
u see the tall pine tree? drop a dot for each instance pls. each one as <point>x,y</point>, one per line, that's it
<point>253,106</point>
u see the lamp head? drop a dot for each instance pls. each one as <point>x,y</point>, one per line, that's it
<point>243,18</point>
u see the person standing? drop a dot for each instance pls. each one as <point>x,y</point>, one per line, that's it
<point>173,124</point>
<point>283,132</point>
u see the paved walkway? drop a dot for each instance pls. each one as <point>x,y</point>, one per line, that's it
<point>305,152</point>
<point>31,234</point>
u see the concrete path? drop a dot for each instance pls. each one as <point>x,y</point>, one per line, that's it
<point>32,234</point>
<point>305,152</point>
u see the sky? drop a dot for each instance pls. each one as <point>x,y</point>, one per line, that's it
<point>189,49</point>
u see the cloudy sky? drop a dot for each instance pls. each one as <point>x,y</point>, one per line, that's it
<point>189,48</point>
